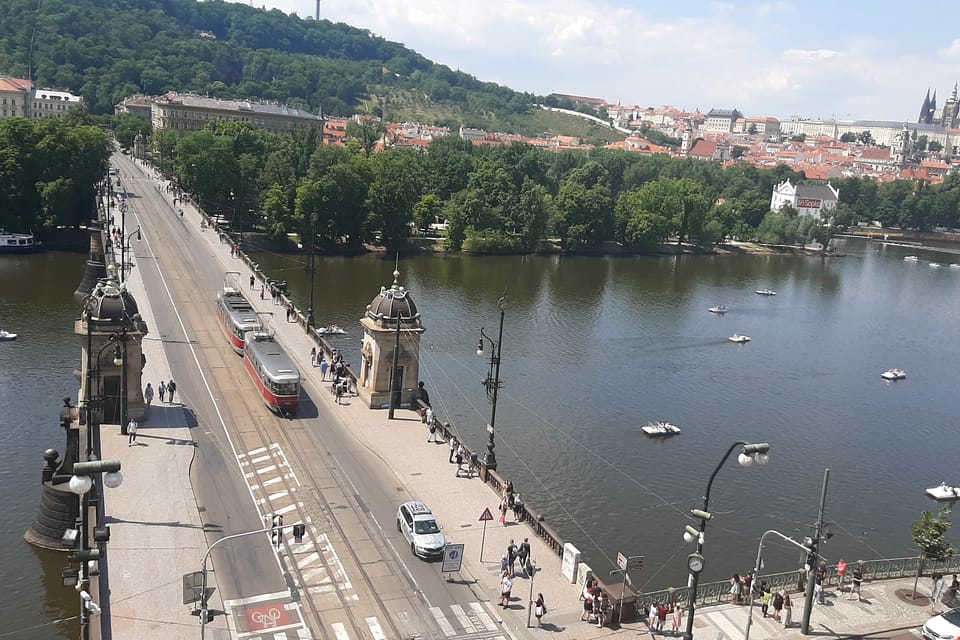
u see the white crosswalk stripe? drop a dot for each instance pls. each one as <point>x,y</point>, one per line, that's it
<point>472,621</point>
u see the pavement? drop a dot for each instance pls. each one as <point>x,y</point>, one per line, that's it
<point>157,533</point>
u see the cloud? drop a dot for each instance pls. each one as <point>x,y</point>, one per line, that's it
<point>951,52</point>
<point>808,55</point>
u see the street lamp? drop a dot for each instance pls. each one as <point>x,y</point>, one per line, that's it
<point>492,381</point>
<point>749,453</point>
<point>81,483</point>
<point>756,570</point>
<point>126,245</point>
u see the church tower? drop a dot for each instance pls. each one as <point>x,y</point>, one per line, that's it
<point>951,110</point>
<point>924,109</point>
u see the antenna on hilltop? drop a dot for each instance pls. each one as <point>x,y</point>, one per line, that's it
<point>318,11</point>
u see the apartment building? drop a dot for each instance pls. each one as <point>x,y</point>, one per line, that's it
<point>18,98</point>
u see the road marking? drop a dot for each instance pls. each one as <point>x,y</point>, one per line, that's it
<point>464,619</point>
<point>264,470</point>
<point>260,459</point>
<point>263,597</point>
<point>278,495</point>
<point>441,619</point>
<point>340,631</point>
<point>284,510</point>
<point>303,562</point>
<point>484,617</point>
<point>375,629</point>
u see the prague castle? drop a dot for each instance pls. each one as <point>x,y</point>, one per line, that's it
<point>948,116</point>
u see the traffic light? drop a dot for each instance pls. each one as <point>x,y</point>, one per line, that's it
<point>298,531</point>
<point>276,533</point>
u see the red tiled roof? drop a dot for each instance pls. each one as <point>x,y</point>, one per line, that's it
<point>703,148</point>
<point>15,84</point>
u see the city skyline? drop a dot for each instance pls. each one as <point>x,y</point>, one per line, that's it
<point>852,60</point>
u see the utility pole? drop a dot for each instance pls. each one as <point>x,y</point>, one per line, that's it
<point>813,558</point>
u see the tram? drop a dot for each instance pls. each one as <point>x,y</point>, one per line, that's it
<point>236,315</point>
<point>274,373</point>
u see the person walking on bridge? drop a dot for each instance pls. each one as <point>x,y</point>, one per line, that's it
<point>162,389</point>
<point>171,389</point>
<point>148,394</point>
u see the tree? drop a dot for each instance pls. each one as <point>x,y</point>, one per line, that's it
<point>935,147</point>
<point>800,137</point>
<point>849,136</point>
<point>392,195</point>
<point>367,132</point>
<point>928,534</point>
<point>865,137</point>
<point>427,211</point>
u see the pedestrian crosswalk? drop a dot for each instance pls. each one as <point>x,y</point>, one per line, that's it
<point>471,621</point>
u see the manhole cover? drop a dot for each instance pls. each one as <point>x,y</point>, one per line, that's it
<point>906,596</point>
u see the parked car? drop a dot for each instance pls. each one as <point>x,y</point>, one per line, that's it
<point>945,626</point>
<point>421,530</point>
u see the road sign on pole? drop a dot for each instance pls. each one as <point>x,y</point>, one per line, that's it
<point>486,515</point>
<point>622,561</point>
<point>452,558</point>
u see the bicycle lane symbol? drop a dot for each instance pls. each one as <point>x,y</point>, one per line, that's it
<point>266,617</point>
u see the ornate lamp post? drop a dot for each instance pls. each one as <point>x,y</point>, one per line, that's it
<point>749,453</point>
<point>492,381</point>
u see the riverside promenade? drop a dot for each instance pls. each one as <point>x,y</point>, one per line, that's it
<point>157,535</point>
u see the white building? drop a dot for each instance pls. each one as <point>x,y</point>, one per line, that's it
<point>19,98</point>
<point>720,120</point>
<point>183,113</point>
<point>815,200</point>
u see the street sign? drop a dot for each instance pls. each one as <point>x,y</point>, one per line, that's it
<point>452,558</point>
<point>486,515</point>
<point>191,586</point>
<point>622,561</point>
<point>634,563</point>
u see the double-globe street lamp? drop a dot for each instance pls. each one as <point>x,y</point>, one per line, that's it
<point>492,381</point>
<point>749,453</point>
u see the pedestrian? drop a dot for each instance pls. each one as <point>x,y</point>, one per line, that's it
<point>787,609</point>
<point>289,312</point>
<point>512,557</point>
<point>818,580</point>
<point>132,432</point>
<point>506,585</point>
<point>523,554</point>
<point>587,607</point>
<point>539,608</point>
<point>262,290</point>
<point>777,605</point>
<point>429,417</point>
<point>503,510</point>
<point>504,565</point>
<point>748,585</point>
<point>171,389</point>
<point>162,389</point>
<point>936,590</point>
<point>148,394</point>
<point>857,581</point>
<point>765,598</point>
<point>735,589</point>
<point>652,618</point>
<point>313,356</point>
<point>252,281</point>
<point>453,448</point>
<point>677,618</point>
<point>459,459</point>
<point>602,610</point>
<point>953,589</point>
<point>323,368</point>
<point>433,431</point>
<point>662,611</point>
<point>339,391</point>
<point>517,508</point>
<point>841,574</point>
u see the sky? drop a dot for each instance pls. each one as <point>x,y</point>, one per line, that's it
<point>844,59</point>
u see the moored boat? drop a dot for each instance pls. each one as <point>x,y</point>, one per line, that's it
<point>660,429</point>
<point>718,309</point>
<point>6,336</point>
<point>765,292</point>
<point>739,338</point>
<point>944,492</point>
<point>894,374</point>
<point>911,259</point>
<point>17,242</point>
<point>331,330</point>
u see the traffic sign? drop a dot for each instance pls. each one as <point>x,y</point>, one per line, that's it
<point>486,515</point>
<point>622,561</point>
<point>452,558</point>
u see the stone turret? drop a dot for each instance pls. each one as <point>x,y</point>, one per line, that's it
<point>391,319</point>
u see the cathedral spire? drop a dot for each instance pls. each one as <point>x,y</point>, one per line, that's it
<point>924,109</point>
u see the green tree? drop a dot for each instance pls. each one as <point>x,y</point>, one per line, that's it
<point>395,189</point>
<point>928,534</point>
<point>367,133</point>
<point>848,136</point>
<point>584,208</point>
<point>427,211</point>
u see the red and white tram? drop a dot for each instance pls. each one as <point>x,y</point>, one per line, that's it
<point>236,315</point>
<point>276,377</point>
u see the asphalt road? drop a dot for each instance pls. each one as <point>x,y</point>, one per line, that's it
<point>361,577</point>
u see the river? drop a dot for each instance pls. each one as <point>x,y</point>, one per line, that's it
<point>593,348</point>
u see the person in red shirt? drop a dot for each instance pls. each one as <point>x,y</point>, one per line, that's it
<point>841,574</point>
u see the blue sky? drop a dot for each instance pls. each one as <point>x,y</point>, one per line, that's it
<point>844,58</point>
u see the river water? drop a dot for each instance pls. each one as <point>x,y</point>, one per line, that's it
<point>593,348</point>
